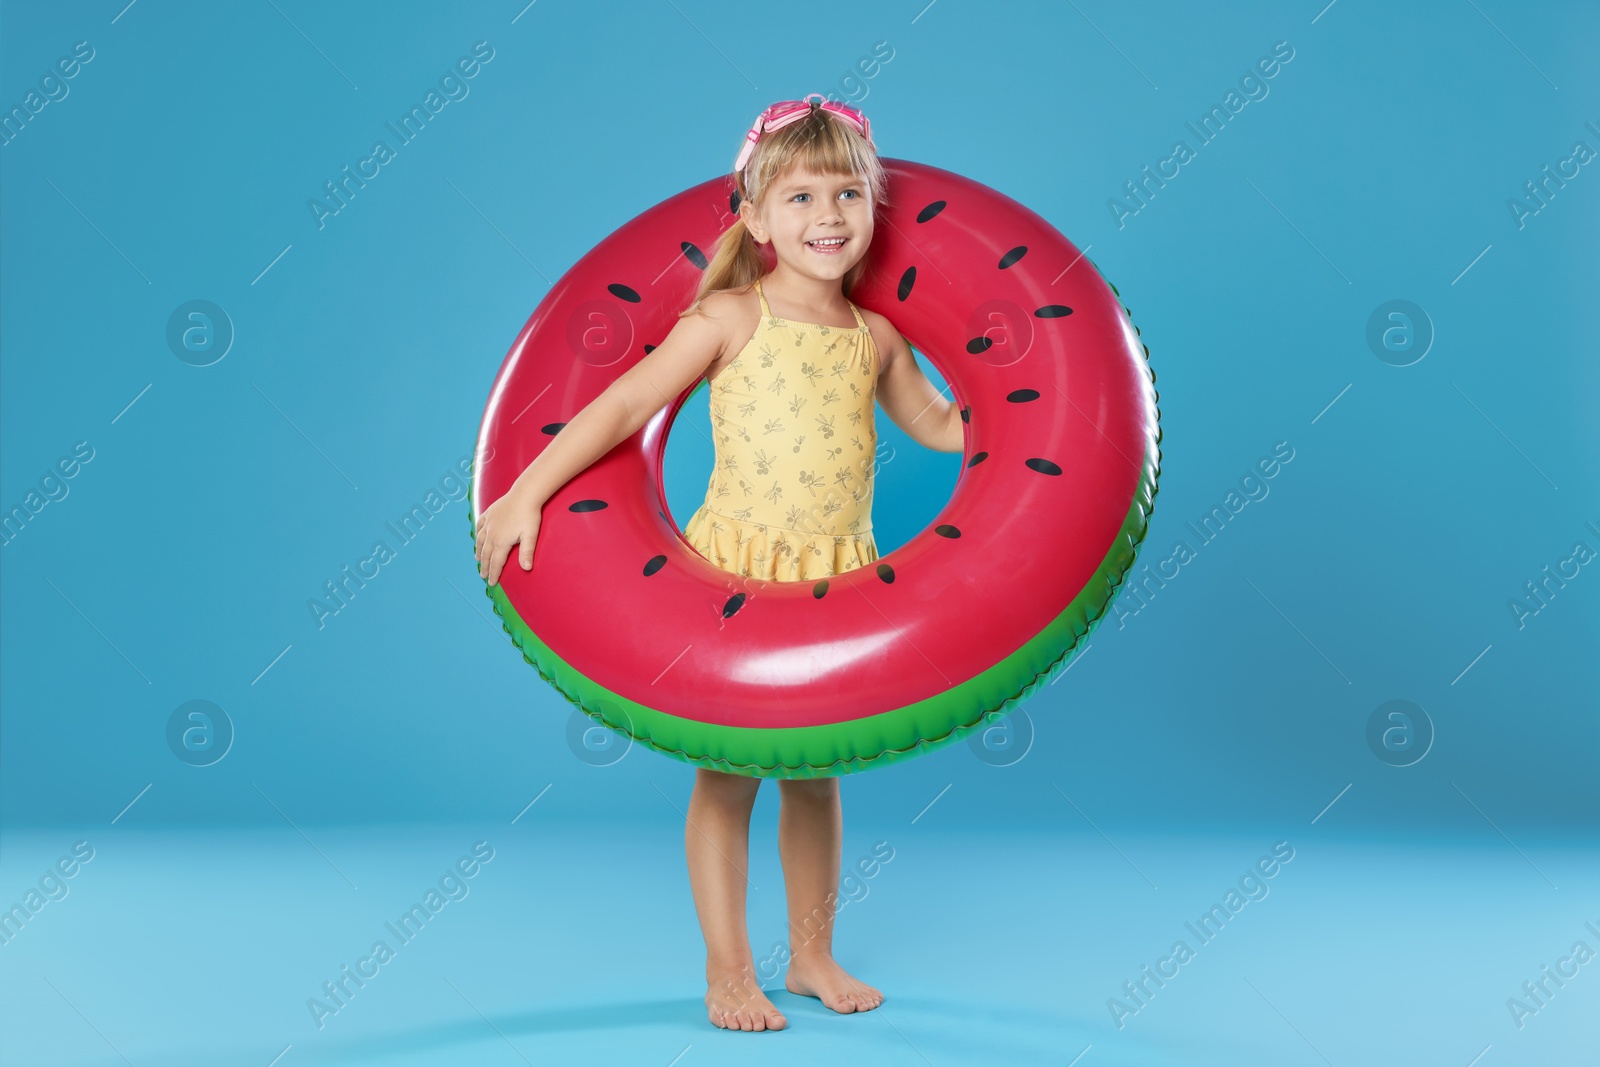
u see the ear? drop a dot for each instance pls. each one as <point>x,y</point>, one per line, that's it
<point>752,222</point>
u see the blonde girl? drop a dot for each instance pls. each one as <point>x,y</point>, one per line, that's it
<point>794,368</point>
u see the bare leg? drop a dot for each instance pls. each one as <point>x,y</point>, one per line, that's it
<point>810,836</point>
<point>717,842</point>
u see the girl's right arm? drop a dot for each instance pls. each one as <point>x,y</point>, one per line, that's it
<point>693,345</point>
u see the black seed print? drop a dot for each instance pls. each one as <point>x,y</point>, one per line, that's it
<point>649,349</point>
<point>1053,311</point>
<point>978,345</point>
<point>977,459</point>
<point>1012,256</point>
<point>655,564</point>
<point>966,413</point>
<point>733,203</point>
<point>930,211</point>
<point>1043,466</point>
<point>820,590</point>
<point>731,608</point>
<point>886,572</point>
<point>588,505</point>
<point>1022,396</point>
<point>551,428</point>
<point>944,529</point>
<point>622,292</point>
<point>694,255</point>
<point>907,280</point>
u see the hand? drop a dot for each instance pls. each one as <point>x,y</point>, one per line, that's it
<point>513,519</point>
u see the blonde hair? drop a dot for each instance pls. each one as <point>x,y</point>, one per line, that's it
<point>820,143</point>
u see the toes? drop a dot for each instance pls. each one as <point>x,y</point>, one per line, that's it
<point>865,998</point>
<point>751,1018</point>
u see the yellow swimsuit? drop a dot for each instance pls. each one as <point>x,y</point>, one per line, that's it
<point>790,495</point>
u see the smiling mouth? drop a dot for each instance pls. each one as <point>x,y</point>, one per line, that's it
<point>827,246</point>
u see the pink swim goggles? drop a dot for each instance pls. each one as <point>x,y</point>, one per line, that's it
<point>789,111</point>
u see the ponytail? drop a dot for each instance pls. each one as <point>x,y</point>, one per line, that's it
<point>736,263</point>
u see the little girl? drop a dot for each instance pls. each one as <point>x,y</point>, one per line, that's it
<point>794,368</point>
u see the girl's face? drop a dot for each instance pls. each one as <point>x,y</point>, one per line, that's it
<point>819,224</point>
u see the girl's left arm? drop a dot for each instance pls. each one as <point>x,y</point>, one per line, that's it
<point>909,398</point>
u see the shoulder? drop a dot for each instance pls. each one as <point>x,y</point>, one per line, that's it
<point>740,306</point>
<point>730,311</point>
<point>885,337</point>
<point>720,306</point>
<point>726,304</point>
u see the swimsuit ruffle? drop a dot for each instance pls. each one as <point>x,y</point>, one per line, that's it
<point>774,553</point>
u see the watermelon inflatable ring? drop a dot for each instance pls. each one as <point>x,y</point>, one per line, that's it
<point>936,639</point>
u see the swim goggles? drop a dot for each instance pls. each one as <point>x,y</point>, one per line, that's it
<point>782,114</point>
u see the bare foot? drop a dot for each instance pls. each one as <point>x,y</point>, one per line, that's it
<point>820,976</point>
<point>734,1001</point>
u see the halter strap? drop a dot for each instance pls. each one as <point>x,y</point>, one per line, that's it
<point>766,312</point>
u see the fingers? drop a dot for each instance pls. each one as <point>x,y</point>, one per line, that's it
<point>493,547</point>
<point>480,544</point>
<point>480,549</point>
<point>491,555</point>
<point>528,539</point>
<point>497,560</point>
<point>485,550</point>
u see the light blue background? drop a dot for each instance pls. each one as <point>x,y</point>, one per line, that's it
<point>219,500</point>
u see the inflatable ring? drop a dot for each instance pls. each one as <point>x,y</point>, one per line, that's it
<point>943,635</point>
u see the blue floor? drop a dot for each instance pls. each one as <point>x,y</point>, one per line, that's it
<point>579,945</point>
